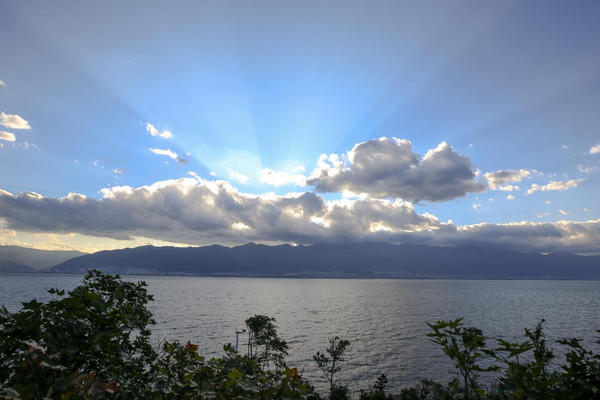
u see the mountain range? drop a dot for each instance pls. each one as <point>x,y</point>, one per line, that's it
<point>373,260</point>
<point>23,259</point>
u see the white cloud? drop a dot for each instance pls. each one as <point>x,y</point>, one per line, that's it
<point>510,197</point>
<point>595,149</point>
<point>7,136</point>
<point>196,211</point>
<point>151,129</point>
<point>280,178</point>
<point>299,168</point>
<point>14,121</point>
<point>118,171</point>
<point>2,83</point>
<point>508,188</point>
<point>168,152</point>
<point>563,212</point>
<point>26,145</point>
<point>239,226</point>
<point>238,176</point>
<point>212,173</point>
<point>564,146</point>
<point>498,180</point>
<point>586,170</point>
<point>548,202</point>
<point>385,168</point>
<point>555,186</point>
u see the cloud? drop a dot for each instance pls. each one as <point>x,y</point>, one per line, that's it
<point>299,168</point>
<point>168,152</point>
<point>510,197</point>
<point>7,136</point>
<point>151,129</point>
<point>384,168</point>
<point>563,212</point>
<point>498,180</point>
<point>595,149</point>
<point>196,211</point>
<point>191,210</point>
<point>118,171</point>
<point>581,237</point>
<point>238,176</point>
<point>555,186</point>
<point>2,83</point>
<point>586,170</point>
<point>14,121</point>
<point>280,178</point>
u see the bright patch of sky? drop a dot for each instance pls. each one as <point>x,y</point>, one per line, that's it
<point>94,96</point>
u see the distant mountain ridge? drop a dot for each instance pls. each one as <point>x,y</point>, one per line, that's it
<point>374,260</point>
<point>23,259</point>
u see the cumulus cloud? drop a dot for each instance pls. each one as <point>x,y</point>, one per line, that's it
<point>499,180</point>
<point>385,168</point>
<point>7,136</point>
<point>2,83</point>
<point>510,197</point>
<point>196,211</point>
<point>151,129</point>
<point>555,186</point>
<point>281,178</point>
<point>14,121</point>
<point>118,171</point>
<point>595,149</point>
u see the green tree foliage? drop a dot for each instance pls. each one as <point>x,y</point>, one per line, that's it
<point>465,346</point>
<point>93,340</point>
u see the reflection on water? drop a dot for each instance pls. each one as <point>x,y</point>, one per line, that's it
<point>385,320</point>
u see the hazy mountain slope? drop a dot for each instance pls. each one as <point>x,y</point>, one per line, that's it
<point>14,258</point>
<point>356,259</point>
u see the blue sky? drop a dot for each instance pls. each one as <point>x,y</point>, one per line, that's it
<point>246,87</point>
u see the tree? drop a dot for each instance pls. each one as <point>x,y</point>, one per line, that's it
<point>264,344</point>
<point>92,340</point>
<point>329,363</point>
<point>465,346</point>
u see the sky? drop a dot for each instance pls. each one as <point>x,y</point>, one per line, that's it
<point>192,123</point>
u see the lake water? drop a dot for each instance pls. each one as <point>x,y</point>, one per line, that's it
<point>385,320</point>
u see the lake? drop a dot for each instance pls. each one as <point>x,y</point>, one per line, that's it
<point>385,320</point>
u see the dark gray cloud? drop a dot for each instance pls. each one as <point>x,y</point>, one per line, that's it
<point>384,168</point>
<point>200,212</point>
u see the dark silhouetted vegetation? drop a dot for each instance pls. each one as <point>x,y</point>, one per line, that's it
<point>93,343</point>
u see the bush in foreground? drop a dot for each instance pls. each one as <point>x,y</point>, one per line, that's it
<point>93,343</point>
